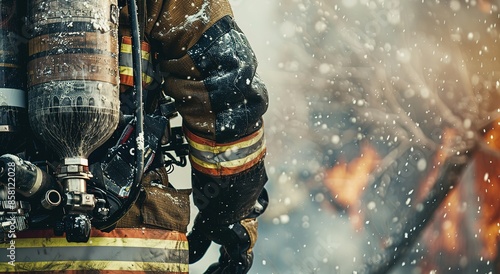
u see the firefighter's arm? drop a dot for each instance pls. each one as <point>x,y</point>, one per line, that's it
<point>210,71</point>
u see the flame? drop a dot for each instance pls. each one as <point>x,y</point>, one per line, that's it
<point>485,6</point>
<point>445,238</point>
<point>445,233</point>
<point>347,182</point>
<point>440,157</point>
<point>488,190</point>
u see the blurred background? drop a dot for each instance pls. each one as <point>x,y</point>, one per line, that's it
<point>382,135</point>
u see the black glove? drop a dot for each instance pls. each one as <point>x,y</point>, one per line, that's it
<point>198,244</point>
<point>236,240</point>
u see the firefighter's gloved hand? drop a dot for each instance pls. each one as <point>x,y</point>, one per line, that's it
<point>236,240</point>
<point>198,244</point>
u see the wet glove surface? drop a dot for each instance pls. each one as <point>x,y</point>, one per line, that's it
<point>236,240</point>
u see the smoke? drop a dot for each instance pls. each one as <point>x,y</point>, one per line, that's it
<point>397,75</point>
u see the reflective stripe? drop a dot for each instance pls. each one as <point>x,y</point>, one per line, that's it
<point>8,65</point>
<point>57,265</point>
<point>103,241</point>
<point>123,249</point>
<point>225,159</point>
<point>201,144</point>
<point>127,74</point>
<point>102,253</point>
<point>126,63</point>
<point>127,48</point>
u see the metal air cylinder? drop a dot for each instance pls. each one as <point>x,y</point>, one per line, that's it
<point>73,73</point>
<point>73,101</point>
<point>13,110</point>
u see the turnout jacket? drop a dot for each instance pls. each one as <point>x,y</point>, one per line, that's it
<point>209,68</point>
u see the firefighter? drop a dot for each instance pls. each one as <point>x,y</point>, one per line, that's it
<point>207,66</point>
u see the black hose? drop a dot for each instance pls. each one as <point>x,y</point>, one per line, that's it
<point>137,67</point>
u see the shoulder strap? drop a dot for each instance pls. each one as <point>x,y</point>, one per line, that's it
<point>141,16</point>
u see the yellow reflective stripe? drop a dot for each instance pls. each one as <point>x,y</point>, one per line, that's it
<point>102,241</point>
<point>126,48</point>
<point>95,265</point>
<point>8,65</point>
<point>231,164</point>
<point>130,72</point>
<point>223,148</point>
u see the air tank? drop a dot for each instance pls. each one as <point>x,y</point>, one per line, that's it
<point>13,110</point>
<point>73,101</point>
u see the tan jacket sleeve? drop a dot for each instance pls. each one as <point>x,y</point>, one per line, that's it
<point>209,69</point>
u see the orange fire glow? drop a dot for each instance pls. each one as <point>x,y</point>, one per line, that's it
<point>447,234</point>
<point>488,189</point>
<point>444,234</point>
<point>347,181</point>
<point>439,159</point>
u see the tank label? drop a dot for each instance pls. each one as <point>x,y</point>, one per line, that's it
<point>55,9</point>
<point>73,67</point>
<point>12,97</point>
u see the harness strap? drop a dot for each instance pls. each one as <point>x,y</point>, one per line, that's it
<point>126,69</point>
<point>141,17</point>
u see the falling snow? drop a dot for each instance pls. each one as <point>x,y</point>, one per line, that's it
<point>399,95</point>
